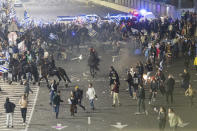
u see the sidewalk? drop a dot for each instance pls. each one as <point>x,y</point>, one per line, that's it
<point>109,5</point>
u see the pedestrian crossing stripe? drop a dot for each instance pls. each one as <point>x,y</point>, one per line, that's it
<point>14,92</point>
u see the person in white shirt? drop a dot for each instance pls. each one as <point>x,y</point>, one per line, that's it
<point>91,95</point>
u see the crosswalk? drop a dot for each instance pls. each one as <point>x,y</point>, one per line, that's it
<point>14,92</point>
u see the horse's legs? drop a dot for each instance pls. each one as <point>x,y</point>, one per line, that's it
<point>58,76</point>
<point>45,77</point>
<point>66,78</point>
<point>19,77</point>
<point>35,76</point>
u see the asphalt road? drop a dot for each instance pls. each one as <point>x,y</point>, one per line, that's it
<point>105,115</point>
<point>50,9</point>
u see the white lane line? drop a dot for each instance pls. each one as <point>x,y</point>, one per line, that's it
<point>32,111</point>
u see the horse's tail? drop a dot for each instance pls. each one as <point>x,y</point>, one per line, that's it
<point>63,72</point>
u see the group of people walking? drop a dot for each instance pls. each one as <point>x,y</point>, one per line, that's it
<point>160,43</point>
<point>75,99</point>
<point>10,108</point>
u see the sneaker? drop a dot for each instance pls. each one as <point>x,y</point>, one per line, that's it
<point>113,105</point>
<point>24,124</point>
<point>149,102</point>
<point>12,126</point>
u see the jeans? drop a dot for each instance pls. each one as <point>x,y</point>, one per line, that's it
<point>29,76</point>
<point>92,103</point>
<point>51,96</point>
<point>130,90</point>
<point>23,113</point>
<point>56,110</point>
<point>9,119</point>
<point>140,103</point>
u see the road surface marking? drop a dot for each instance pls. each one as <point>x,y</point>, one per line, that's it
<point>119,125</point>
<point>34,104</point>
<point>14,92</point>
<point>89,120</point>
<point>59,127</point>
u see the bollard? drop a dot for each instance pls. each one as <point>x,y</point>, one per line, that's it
<point>89,121</point>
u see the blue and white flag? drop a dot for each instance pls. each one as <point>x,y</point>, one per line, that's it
<point>53,36</point>
<point>26,16</point>
<point>3,65</point>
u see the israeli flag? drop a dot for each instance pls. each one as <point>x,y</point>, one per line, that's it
<point>3,65</point>
<point>26,16</point>
<point>53,36</point>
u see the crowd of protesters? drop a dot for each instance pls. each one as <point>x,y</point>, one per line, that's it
<point>162,41</point>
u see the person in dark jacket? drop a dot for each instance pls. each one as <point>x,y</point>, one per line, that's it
<point>27,88</point>
<point>186,79</point>
<point>160,78</point>
<point>9,110</point>
<point>130,83</point>
<point>170,88</point>
<point>56,103</point>
<point>136,83</point>
<point>162,118</point>
<point>78,94</point>
<point>140,69</point>
<point>140,102</point>
<point>153,90</point>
